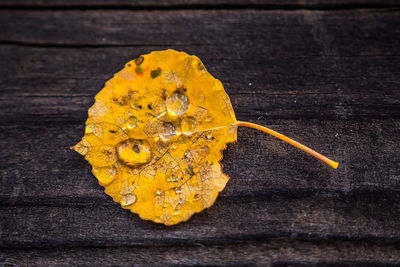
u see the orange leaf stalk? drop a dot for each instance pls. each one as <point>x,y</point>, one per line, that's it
<point>310,151</point>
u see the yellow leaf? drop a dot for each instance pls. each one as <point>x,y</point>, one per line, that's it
<point>156,133</point>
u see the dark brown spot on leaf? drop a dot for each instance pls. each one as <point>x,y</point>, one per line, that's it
<point>139,60</point>
<point>155,73</point>
<point>136,148</point>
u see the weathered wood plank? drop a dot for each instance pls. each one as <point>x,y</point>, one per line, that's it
<point>37,166</point>
<point>198,3</point>
<point>56,84</point>
<point>316,32</point>
<point>272,253</point>
<point>345,217</point>
<point>291,65</point>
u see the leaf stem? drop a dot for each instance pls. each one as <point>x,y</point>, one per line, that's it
<point>310,151</point>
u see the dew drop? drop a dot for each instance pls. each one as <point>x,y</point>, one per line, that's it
<point>158,128</point>
<point>188,125</point>
<point>131,122</point>
<point>134,152</point>
<point>167,130</point>
<point>127,200</point>
<point>178,190</point>
<point>177,103</point>
<point>159,192</point>
<point>176,212</point>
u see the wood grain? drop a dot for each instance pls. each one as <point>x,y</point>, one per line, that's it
<point>267,217</point>
<point>35,80</point>
<point>281,252</point>
<point>327,78</point>
<point>39,168</point>
<point>159,4</point>
<point>292,65</point>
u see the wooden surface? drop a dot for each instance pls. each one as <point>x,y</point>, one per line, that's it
<point>324,72</point>
<point>237,4</point>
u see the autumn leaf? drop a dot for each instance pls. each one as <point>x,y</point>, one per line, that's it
<point>155,137</point>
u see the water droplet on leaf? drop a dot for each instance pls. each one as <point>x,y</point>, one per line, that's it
<point>177,103</point>
<point>127,200</point>
<point>188,125</point>
<point>131,122</point>
<point>167,130</point>
<point>134,152</point>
